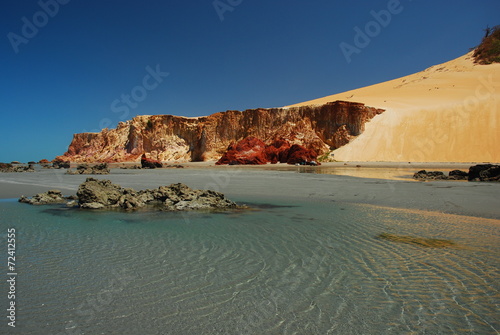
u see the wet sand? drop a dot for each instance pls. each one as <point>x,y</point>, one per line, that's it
<point>380,184</point>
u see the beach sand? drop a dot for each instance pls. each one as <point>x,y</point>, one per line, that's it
<point>446,113</point>
<point>380,184</point>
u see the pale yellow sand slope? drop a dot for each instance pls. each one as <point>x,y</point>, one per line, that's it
<point>447,113</point>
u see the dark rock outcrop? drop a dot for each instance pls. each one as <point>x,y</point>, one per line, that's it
<point>133,167</point>
<point>49,197</point>
<point>458,175</point>
<point>429,175</point>
<point>484,172</point>
<point>148,163</point>
<point>6,167</point>
<point>480,172</point>
<point>28,168</point>
<point>438,175</point>
<point>46,164</point>
<point>94,169</point>
<point>180,197</point>
<point>60,164</point>
<point>95,194</point>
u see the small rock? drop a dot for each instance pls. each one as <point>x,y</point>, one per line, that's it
<point>57,164</point>
<point>92,205</point>
<point>71,203</point>
<point>458,175</point>
<point>429,175</point>
<point>95,169</point>
<point>49,197</point>
<point>5,167</point>
<point>148,163</point>
<point>484,172</point>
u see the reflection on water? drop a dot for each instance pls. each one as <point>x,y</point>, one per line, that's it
<point>361,172</point>
<point>402,173</point>
<point>285,268</point>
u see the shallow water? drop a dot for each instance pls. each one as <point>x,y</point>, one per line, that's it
<point>289,267</point>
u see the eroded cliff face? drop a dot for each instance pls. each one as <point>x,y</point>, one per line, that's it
<point>174,138</point>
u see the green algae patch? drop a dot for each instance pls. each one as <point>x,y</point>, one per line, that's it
<point>418,241</point>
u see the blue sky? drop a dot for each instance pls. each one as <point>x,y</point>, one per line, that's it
<point>79,66</point>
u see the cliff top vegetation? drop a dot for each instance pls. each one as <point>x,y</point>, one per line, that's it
<point>489,50</point>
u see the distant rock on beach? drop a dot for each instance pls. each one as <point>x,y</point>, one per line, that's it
<point>6,167</point>
<point>430,175</point>
<point>480,172</point>
<point>58,164</point>
<point>484,172</point>
<point>457,175</point>
<point>148,163</point>
<point>94,169</point>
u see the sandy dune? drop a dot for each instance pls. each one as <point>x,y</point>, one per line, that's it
<point>447,113</point>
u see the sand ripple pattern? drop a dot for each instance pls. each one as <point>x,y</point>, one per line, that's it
<point>295,268</point>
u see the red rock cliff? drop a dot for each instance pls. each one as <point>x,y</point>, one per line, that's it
<point>166,137</point>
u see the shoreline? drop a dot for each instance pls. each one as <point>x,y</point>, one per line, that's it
<point>373,170</point>
<point>380,164</point>
<point>477,199</point>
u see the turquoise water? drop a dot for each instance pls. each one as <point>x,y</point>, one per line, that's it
<point>287,267</point>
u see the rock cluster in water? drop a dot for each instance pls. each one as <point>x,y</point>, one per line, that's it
<point>480,172</point>
<point>94,169</point>
<point>96,194</point>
